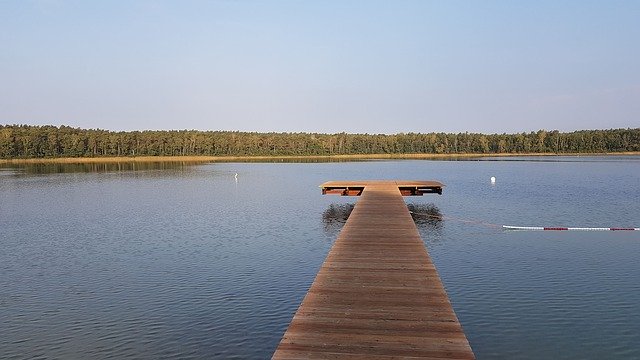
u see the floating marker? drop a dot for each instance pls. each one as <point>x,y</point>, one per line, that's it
<point>493,179</point>
<point>537,228</point>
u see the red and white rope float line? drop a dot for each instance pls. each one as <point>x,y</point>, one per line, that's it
<point>529,228</point>
<point>536,228</point>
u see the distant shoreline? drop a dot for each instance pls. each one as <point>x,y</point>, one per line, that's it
<point>149,159</point>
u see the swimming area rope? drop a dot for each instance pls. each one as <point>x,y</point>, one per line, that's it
<point>536,228</point>
<point>526,228</point>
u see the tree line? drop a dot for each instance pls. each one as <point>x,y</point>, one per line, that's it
<point>27,141</point>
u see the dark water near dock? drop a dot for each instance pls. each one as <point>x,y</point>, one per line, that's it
<point>184,261</point>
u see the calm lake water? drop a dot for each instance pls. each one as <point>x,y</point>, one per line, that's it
<point>176,260</point>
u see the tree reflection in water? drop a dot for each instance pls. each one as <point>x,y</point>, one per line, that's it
<point>101,167</point>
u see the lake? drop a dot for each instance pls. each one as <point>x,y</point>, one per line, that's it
<point>181,260</point>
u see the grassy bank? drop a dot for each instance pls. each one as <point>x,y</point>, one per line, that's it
<point>146,159</point>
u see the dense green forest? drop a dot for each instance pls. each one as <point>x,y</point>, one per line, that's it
<point>25,141</point>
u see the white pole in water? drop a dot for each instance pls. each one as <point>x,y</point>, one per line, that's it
<point>493,179</point>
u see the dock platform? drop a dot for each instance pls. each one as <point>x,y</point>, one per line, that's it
<point>377,294</point>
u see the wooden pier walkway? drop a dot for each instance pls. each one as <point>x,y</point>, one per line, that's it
<point>377,295</point>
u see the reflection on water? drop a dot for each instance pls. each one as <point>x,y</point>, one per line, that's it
<point>61,168</point>
<point>335,216</point>
<point>106,167</point>
<point>565,158</point>
<point>426,217</point>
<point>296,160</point>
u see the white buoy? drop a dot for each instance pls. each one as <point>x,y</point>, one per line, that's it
<point>493,179</point>
<point>236,175</point>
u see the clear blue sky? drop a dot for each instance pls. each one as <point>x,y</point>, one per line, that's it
<point>321,66</point>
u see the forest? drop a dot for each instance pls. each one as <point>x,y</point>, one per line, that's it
<point>27,141</point>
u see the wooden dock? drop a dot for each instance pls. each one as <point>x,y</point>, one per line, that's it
<point>377,295</point>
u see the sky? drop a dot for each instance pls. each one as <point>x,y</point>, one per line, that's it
<point>321,66</point>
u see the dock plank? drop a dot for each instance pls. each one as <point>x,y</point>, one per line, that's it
<point>377,294</point>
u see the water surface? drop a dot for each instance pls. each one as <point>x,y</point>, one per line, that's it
<point>184,261</point>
